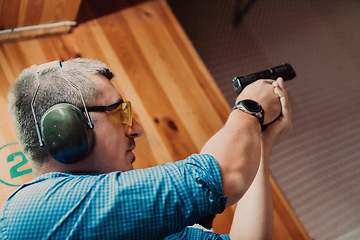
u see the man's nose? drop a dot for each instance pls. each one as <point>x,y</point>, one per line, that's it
<point>135,130</point>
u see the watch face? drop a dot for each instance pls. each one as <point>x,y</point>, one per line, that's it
<point>252,105</point>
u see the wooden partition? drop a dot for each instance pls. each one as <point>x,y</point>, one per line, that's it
<point>173,94</point>
<point>40,17</point>
<point>22,13</point>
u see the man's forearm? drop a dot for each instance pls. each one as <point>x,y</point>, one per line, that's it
<point>253,218</point>
<point>236,147</point>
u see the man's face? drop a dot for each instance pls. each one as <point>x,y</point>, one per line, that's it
<point>113,142</point>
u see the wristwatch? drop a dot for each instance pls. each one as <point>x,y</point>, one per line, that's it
<point>253,108</point>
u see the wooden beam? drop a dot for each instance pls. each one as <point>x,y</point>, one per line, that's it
<point>22,13</point>
<point>36,31</point>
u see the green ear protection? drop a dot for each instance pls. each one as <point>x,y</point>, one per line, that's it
<point>65,133</point>
<point>64,129</point>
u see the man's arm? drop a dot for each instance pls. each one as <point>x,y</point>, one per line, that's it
<point>237,146</point>
<point>253,217</point>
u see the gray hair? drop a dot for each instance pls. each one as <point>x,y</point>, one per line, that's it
<point>53,90</point>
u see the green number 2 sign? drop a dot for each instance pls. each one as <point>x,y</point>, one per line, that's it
<point>16,170</point>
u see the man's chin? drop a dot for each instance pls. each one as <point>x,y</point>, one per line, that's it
<point>133,160</point>
<point>130,160</point>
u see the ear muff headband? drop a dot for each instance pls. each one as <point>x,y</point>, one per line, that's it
<point>64,127</point>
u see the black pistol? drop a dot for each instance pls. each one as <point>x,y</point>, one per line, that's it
<point>285,71</point>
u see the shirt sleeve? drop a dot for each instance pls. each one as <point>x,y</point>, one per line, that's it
<point>196,233</point>
<point>166,199</point>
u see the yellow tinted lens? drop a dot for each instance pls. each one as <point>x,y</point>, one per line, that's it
<point>122,114</point>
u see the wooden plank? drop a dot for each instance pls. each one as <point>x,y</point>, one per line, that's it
<point>9,12</point>
<point>32,15</point>
<point>22,13</point>
<point>58,11</point>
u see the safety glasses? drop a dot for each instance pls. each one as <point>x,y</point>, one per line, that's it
<point>120,112</point>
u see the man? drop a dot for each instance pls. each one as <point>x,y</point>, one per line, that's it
<point>87,189</point>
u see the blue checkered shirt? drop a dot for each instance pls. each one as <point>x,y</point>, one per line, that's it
<point>153,203</point>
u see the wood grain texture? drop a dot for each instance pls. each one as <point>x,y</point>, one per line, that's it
<point>21,13</point>
<point>173,95</point>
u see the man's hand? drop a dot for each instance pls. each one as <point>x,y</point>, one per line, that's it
<point>262,91</point>
<point>282,124</point>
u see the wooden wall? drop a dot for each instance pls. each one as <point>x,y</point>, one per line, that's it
<point>21,13</point>
<point>173,95</point>
<point>16,15</point>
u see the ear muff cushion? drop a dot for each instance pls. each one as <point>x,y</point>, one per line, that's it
<point>65,133</point>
